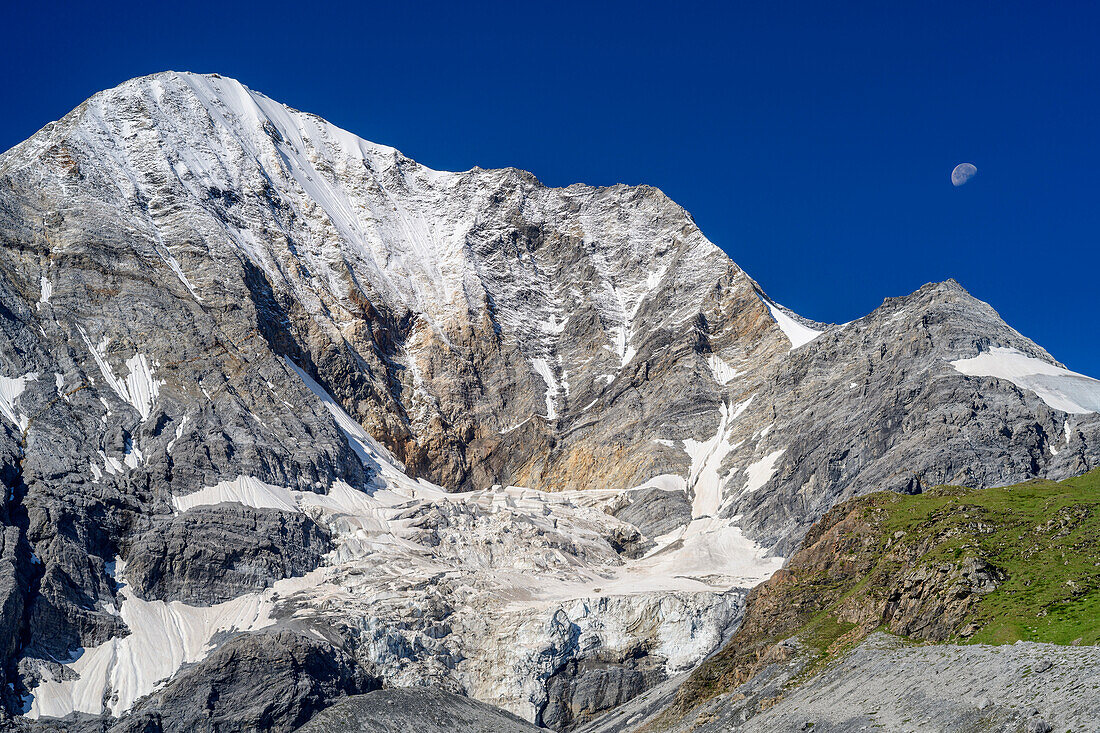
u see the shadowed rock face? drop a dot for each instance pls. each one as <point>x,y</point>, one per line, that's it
<point>173,248</point>
<point>582,690</point>
<point>212,554</point>
<point>424,710</point>
<point>13,583</point>
<point>269,682</point>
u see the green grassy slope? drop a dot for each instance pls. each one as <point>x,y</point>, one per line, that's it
<point>1043,535</point>
<point>953,565</point>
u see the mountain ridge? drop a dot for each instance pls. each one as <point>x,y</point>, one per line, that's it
<point>256,364</point>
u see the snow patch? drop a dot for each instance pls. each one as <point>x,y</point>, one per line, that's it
<point>518,425</point>
<point>1059,388</point>
<point>664,482</point>
<point>243,490</point>
<point>163,637</point>
<point>174,265</point>
<point>705,546</point>
<point>798,334</point>
<point>111,464</point>
<point>10,389</point>
<point>706,463</point>
<point>46,290</point>
<point>552,387</point>
<point>139,388</point>
<point>760,472</point>
<point>132,456</point>
<point>179,433</point>
<point>722,371</point>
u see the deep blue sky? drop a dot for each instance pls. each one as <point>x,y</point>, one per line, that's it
<point>811,141</point>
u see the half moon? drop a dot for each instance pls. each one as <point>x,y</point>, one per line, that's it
<point>963,172</point>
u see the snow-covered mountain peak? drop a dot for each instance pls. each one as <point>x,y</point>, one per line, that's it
<point>359,215</point>
<point>484,430</point>
<point>248,113</point>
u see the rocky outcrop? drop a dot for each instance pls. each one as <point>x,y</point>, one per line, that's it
<point>653,511</point>
<point>254,682</point>
<point>583,689</point>
<point>213,554</point>
<point>270,682</point>
<point>425,710</point>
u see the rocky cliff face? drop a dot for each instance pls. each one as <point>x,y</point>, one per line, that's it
<point>258,374</point>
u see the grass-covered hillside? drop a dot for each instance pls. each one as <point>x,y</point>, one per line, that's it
<point>1044,537</point>
<point>951,565</point>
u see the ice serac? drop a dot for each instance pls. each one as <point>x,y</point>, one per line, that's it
<point>410,411</point>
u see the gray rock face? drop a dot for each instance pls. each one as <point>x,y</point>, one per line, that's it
<point>876,405</point>
<point>254,682</point>
<point>213,554</point>
<point>654,511</point>
<point>425,710</point>
<point>885,685</point>
<point>583,689</point>
<point>270,682</point>
<point>204,293</point>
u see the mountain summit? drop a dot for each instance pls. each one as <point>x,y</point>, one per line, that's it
<point>415,427</point>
